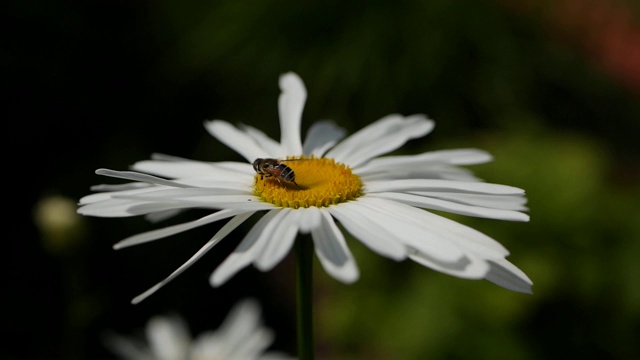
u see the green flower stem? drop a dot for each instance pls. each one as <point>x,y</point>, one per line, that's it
<point>304,288</point>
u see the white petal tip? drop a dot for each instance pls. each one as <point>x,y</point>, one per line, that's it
<point>516,216</point>
<point>346,275</point>
<point>265,265</point>
<point>136,300</point>
<point>505,274</point>
<point>350,278</point>
<point>289,78</point>
<point>216,281</point>
<point>212,122</point>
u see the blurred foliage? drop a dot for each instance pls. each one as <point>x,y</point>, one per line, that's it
<point>106,83</point>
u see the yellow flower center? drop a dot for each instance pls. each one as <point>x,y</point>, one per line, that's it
<point>318,182</point>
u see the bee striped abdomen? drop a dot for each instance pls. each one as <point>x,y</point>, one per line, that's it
<point>287,173</point>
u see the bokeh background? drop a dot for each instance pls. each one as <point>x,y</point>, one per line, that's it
<point>550,88</point>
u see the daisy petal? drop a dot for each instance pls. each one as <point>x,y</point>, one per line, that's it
<point>159,216</point>
<point>222,179</point>
<point>459,156</point>
<point>452,207</point>
<point>359,226</point>
<point>242,320</point>
<point>243,334</point>
<point>468,267</point>
<point>243,168</point>
<point>236,139</point>
<point>332,251</point>
<point>452,157</point>
<point>253,344</point>
<point>168,337</point>
<point>410,185</point>
<point>322,135</point>
<point>412,127</point>
<point>505,274</point>
<point>273,148</point>
<point>120,187</point>
<point>505,202</point>
<point>463,236</point>
<point>127,349</point>
<point>240,202</point>
<point>173,169</point>
<point>175,229</point>
<point>404,224</point>
<point>290,106</point>
<point>132,207</point>
<point>135,176</point>
<point>205,201</point>
<point>228,189</point>
<point>114,208</point>
<point>434,171</point>
<point>177,170</point>
<point>383,136</point>
<point>221,234</point>
<point>247,250</point>
<point>309,219</point>
<point>281,241</point>
<point>96,198</point>
<point>240,167</point>
<point>429,165</point>
<point>363,136</point>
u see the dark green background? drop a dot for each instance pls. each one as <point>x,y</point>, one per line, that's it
<point>94,84</point>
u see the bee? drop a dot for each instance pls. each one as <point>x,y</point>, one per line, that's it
<point>275,168</point>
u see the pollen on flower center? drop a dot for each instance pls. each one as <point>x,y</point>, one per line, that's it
<point>320,182</point>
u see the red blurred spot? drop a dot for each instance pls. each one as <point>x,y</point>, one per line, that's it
<point>608,31</point>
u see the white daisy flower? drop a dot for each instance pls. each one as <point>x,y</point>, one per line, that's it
<point>240,337</point>
<point>378,200</point>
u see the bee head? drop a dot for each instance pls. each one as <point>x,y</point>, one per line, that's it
<point>256,164</point>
